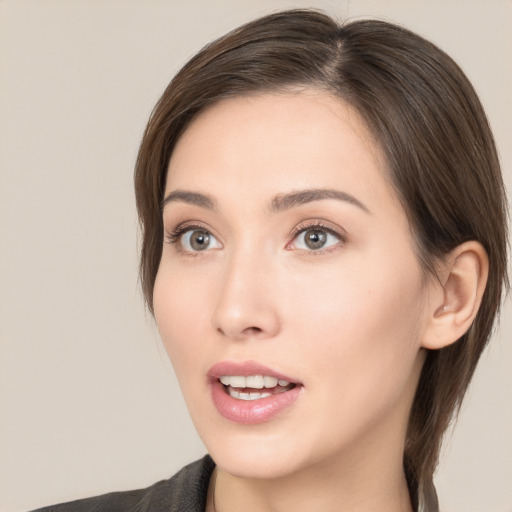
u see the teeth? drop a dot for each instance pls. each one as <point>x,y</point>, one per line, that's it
<point>269,382</point>
<point>255,396</point>
<point>252,381</point>
<point>238,382</point>
<point>247,396</point>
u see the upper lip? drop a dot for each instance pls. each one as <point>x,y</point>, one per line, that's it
<point>246,369</point>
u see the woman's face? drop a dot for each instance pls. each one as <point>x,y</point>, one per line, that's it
<point>287,256</point>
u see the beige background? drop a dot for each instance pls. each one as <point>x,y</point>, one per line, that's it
<point>88,401</point>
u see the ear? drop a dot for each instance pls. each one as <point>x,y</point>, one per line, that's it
<point>457,296</point>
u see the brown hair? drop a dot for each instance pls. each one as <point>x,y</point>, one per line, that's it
<point>440,152</point>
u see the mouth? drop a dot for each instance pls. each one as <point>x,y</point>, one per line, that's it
<point>250,393</point>
<point>254,387</point>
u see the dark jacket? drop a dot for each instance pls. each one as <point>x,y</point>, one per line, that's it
<point>184,492</point>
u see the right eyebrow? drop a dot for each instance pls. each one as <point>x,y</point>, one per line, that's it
<point>194,198</point>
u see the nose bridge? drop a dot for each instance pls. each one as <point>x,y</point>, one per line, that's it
<point>246,306</point>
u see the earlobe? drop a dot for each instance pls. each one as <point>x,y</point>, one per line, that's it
<point>459,294</point>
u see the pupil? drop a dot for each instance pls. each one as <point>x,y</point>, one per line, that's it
<point>315,238</point>
<point>199,240</point>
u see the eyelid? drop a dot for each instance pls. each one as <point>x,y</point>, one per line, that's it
<point>322,225</point>
<point>173,236</point>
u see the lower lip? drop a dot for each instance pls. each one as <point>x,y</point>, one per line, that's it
<point>250,412</point>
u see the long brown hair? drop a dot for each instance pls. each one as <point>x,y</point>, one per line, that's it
<point>441,158</point>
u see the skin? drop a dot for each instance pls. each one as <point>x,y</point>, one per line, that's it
<point>348,320</point>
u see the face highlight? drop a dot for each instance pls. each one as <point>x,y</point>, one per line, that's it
<point>289,296</point>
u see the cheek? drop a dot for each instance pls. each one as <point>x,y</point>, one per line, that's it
<point>181,313</point>
<point>361,328</point>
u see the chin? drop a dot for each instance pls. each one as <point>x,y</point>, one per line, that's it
<point>258,454</point>
<point>254,464</point>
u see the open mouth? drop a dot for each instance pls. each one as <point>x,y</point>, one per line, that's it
<point>251,393</point>
<point>254,387</point>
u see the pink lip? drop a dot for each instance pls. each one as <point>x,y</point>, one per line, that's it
<point>246,369</point>
<point>245,411</point>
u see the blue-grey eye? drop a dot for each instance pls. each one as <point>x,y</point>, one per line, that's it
<point>315,238</point>
<point>195,240</point>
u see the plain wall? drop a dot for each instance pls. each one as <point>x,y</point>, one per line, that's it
<point>88,400</point>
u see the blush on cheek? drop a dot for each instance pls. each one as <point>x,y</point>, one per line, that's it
<point>179,318</point>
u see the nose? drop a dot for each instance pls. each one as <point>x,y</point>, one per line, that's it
<point>248,300</point>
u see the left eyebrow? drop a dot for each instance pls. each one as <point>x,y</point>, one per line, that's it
<point>294,199</point>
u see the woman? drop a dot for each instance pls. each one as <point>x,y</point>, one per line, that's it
<point>324,251</point>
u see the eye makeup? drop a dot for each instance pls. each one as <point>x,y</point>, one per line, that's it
<point>192,238</point>
<point>318,237</point>
<point>314,236</point>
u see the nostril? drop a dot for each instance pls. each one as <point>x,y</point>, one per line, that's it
<point>252,330</point>
<point>247,332</point>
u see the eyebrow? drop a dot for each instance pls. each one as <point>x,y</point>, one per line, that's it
<point>194,198</point>
<point>294,199</point>
<point>278,204</point>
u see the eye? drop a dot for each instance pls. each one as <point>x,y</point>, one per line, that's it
<point>194,239</point>
<point>315,238</point>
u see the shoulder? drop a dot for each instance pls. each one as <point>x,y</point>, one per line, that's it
<point>184,492</point>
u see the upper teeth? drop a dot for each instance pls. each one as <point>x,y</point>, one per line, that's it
<point>252,381</point>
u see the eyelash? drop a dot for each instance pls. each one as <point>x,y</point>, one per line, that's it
<point>176,233</point>
<point>321,226</point>
<point>174,236</point>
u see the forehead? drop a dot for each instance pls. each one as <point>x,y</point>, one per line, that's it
<point>279,142</point>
